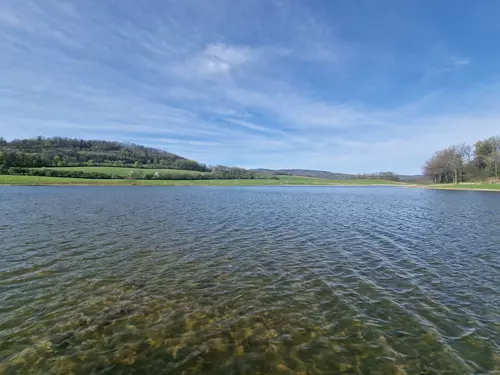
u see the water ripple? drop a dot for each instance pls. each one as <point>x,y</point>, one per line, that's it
<point>248,280</point>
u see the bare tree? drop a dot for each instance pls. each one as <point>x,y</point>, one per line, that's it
<point>462,162</point>
<point>438,167</point>
<point>448,165</point>
<point>454,162</point>
<point>431,169</point>
<point>465,152</point>
<point>460,156</point>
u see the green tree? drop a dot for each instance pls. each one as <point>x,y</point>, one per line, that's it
<point>136,164</point>
<point>494,161</point>
<point>482,151</point>
<point>486,155</point>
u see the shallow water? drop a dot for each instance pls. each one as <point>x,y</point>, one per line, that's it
<point>272,280</point>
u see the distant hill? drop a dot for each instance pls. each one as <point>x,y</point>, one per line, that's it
<point>80,158</point>
<point>338,176</point>
<point>305,173</point>
<point>67,152</point>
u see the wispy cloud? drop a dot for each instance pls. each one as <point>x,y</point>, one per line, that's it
<point>460,61</point>
<point>7,18</point>
<point>252,126</point>
<point>220,58</point>
<point>214,61</point>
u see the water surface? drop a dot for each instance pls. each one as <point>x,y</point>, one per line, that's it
<point>260,280</point>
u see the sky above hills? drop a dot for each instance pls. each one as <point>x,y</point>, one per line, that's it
<point>346,86</point>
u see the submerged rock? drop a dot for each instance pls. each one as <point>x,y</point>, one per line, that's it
<point>62,340</point>
<point>116,315</point>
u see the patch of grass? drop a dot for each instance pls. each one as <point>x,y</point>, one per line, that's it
<point>285,180</point>
<point>123,172</point>
<point>467,186</point>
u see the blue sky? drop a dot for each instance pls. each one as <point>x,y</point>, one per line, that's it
<point>345,86</point>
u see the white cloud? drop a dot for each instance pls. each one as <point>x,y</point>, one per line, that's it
<point>231,55</point>
<point>459,62</point>
<point>217,58</point>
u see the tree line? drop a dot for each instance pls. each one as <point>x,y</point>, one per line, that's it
<point>460,163</point>
<point>388,176</point>
<point>135,174</point>
<point>72,152</point>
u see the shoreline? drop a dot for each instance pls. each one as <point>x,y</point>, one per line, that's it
<point>19,180</point>
<point>6,180</point>
<point>460,189</point>
<point>250,185</point>
<point>255,185</point>
<point>205,185</point>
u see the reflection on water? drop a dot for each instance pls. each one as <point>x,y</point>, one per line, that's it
<point>323,280</point>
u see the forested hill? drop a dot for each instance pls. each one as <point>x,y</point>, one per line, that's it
<point>66,152</point>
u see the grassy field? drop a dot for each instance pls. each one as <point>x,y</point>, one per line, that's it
<point>284,180</point>
<point>117,171</point>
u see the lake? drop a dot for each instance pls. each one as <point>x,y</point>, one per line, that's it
<point>258,280</point>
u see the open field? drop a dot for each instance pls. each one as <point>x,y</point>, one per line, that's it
<point>123,172</point>
<point>284,180</point>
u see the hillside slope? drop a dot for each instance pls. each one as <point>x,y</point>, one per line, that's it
<point>63,152</point>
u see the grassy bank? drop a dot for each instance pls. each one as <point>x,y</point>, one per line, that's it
<point>284,180</point>
<point>466,186</point>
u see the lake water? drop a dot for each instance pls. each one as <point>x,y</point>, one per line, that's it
<point>271,280</point>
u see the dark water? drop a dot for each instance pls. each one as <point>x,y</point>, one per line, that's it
<point>275,280</point>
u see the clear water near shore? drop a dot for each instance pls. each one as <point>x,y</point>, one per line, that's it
<point>257,280</point>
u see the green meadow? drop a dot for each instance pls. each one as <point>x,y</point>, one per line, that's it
<point>283,180</point>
